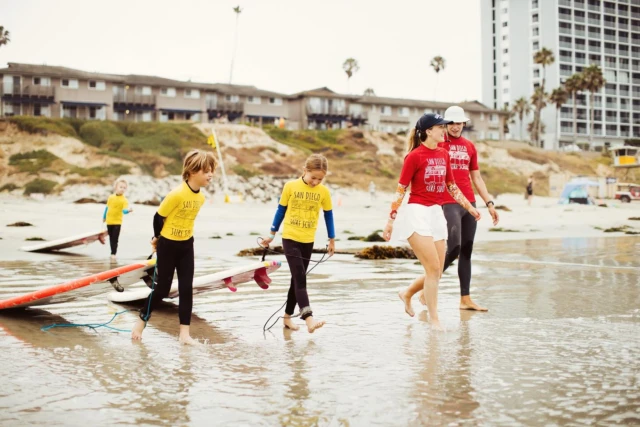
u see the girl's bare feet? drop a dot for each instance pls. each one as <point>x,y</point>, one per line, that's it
<point>407,302</point>
<point>435,324</point>
<point>313,324</point>
<point>422,299</point>
<point>136,332</point>
<point>288,323</point>
<point>467,304</point>
<point>185,337</point>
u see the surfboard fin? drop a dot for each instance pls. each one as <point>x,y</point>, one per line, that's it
<point>116,285</point>
<point>261,278</point>
<point>228,282</point>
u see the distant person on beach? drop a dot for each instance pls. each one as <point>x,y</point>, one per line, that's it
<point>529,190</point>
<point>427,169</point>
<point>173,241</point>
<point>461,225</point>
<point>372,191</point>
<point>117,207</point>
<point>299,209</point>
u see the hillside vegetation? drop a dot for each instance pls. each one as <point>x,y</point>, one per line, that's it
<point>355,157</point>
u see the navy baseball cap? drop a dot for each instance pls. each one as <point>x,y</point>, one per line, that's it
<point>428,121</point>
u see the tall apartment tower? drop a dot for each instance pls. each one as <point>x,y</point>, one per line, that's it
<point>579,33</point>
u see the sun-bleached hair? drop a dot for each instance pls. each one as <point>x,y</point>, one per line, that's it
<point>415,138</point>
<point>316,162</point>
<point>118,181</point>
<point>197,160</point>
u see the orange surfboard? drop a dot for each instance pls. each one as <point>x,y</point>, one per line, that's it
<point>69,291</point>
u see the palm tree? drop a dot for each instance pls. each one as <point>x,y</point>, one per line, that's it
<point>237,11</point>
<point>539,99</point>
<point>4,36</point>
<point>369,92</point>
<point>573,85</point>
<point>542,57</point>
<point>521,108</point>
<point>438,64</point>
<point>593,82</point>
<point>350,67</point>
<point>558,98</point>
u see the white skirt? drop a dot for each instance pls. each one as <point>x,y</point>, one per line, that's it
<point>424,220</point>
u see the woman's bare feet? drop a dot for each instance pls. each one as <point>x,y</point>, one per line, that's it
<point>407,302</point>
<point>185,337</point>
<point>313,324</point>
<point>422,299</point>
<point>136,332</point>
<point>288,323</point>
<point>467,304</point>
<point>435,325</point>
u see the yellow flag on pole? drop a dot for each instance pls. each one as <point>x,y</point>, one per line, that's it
<point>211,141</point>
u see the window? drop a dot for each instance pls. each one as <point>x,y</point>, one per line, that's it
<point>505,64</point>
<point>536,73</point>
<point>69,83</point>
<point>534,4</point>
<point>535,31</point>
<point>505,77</point>
<point>505,24</point>
<point>42,81</point>
<point>275,101</point>
<point>385,110</point>
<point>192,93</point>
<point>505,37</point>
<point>505,51</point>
<point>254,100</point>
<point>505,90</point>
<point>535,46</point>
<point>143,90</point>
<point>534,18</point>
<point>232,98</point>
<point>97,85</point>
<point>169,92</point>
<point>403,111</point>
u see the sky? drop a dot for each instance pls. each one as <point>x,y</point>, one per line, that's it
<point>285,46</point>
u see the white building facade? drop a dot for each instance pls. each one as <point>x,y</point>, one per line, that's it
<point>579,33</point>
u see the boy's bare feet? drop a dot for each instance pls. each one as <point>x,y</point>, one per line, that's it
<point>407,302</point>
<point>185,337</point>
<point>136,332</point>
<point>113,258</point>
<point>288,323</point>
<point>313,324</point>
<point>467,304</point>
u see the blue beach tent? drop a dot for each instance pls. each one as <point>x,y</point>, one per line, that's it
<point>576,191</point>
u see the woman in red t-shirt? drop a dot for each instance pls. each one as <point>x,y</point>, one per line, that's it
<point>421,222</point>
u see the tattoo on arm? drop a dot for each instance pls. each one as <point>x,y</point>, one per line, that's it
<point>397,200</point>
<point>457,195</point>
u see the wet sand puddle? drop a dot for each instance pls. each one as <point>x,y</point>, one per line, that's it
<point>558,346</point>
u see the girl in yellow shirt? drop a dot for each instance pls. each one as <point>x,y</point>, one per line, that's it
<point>117,206</point>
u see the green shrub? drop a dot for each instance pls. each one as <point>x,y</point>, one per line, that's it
<point>8,187</point>
<point>39,186</point>
<point>243,172</point>
<point>43,125</point>
<point>32,161</point>
<point>97,133</point>
<point>102,171</point>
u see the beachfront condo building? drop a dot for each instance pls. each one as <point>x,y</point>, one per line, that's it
<point>579,33</point>
<point>52,91</point>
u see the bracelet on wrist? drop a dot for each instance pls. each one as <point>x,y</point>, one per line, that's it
<point>490,202</point>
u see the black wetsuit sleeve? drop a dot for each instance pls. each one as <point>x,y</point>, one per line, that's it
<point>158,223</point>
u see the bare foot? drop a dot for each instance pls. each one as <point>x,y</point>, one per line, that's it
<point>407,302</point>
<point>467,304</point>
<point>422,299</point>
<point>187,340</point>
<point>435,325</point>
<point>313,324</point>
<point>113,258</point>
<point>136,332</point>
<point>288,323</point>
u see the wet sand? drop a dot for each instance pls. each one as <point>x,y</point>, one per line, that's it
<point>558,346</point>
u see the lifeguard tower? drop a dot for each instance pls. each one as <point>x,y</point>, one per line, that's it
<point>625,157</point>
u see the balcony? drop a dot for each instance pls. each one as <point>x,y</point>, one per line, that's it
<point>566,73</point>
<point>610,10</point>
<point>122,99</point>
<point>580,46</point>
<point>358,116</point>
<point>578,4</point>
<point>608,51</point>
<point>610,37</point>
<point>623,26</point>
<point>326,110</point>
<point>27,93</point>
<point>612,105</point>
<point>579,33</point>
<point>595,49</point>
<point>624,93</point>
<point>567,17</point>
<point>564,30</point>
<point>580,60</point>
<point>567,45</point>
<point>635,54</point>
<point>623,39</point>
<point>565,3</point>
<point>577,18</point>
<point>225,106</point>
<point>593,35</point>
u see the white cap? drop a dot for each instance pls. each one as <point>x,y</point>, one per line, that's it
<point>455,114</point>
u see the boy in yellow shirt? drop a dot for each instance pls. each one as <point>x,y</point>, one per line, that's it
<point>173,241</point>
<point>117,207</point>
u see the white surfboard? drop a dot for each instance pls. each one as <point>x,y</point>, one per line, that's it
<point>68,242</point>
<point>223,279</point>
<point>85,286</point>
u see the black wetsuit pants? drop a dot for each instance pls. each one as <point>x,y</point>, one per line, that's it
<point>298,256</point>
<point>114,235</point>
<point>173,255</point>
<point>461,226</point>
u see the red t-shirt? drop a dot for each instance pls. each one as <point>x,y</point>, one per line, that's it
<point>464,158</point>
<point>428,171</point>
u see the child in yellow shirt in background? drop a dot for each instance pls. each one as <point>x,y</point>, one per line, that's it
<point>117,205</point>
<point>173,240</point>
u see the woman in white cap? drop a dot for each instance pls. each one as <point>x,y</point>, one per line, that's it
<point>461,226</point>
<point>421,222</point>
